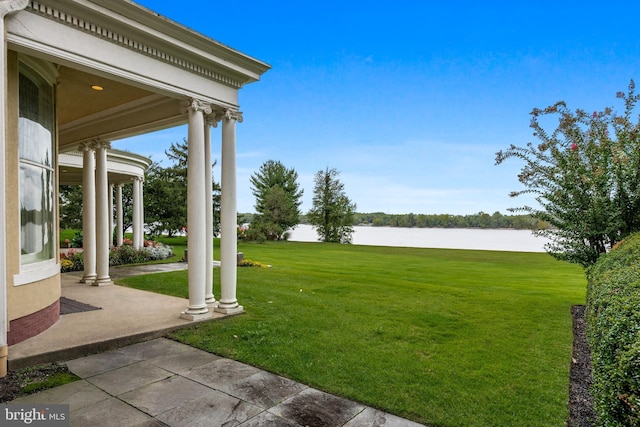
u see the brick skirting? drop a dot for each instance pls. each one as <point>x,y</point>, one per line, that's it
<point>28,326</point>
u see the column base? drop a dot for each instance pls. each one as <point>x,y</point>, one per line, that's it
<point>102,281</point>
<point>211,301</point>
<point>230,310</point>
<point>88,279</point>
<point>194,317</point>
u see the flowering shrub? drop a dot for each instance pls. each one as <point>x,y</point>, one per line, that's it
<point>119,255</point>
<point>151,243</point>
<point>158,251</point>
<point>251,263</point>
<point>72,261</point>
<point>66,265</point>
<point>584,177</point>
<point>242,233</point>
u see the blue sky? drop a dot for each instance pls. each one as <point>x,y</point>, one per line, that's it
<point>408,100</point>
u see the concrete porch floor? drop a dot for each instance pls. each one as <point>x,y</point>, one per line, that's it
<point>126,316</point>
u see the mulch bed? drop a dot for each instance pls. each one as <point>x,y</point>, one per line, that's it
<point>11,385</point>
<point>580,380</point>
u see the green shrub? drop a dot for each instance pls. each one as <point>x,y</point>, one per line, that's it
<point>77,241</point>
<point>613,319</point>
<point>126,254</point>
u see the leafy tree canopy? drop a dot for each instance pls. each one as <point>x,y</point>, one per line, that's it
<point>585,176</point>
<point>165,193</point>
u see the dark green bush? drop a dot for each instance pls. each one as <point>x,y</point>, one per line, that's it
<point>77,241</point>
<point>613,319</point>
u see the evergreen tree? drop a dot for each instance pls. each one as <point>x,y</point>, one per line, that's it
<point>278,201</point>
<point>332,212</point>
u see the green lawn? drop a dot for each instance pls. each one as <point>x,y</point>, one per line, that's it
<point>443,337</point>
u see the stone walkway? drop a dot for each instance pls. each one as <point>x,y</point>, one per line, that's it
<point>166,383</point>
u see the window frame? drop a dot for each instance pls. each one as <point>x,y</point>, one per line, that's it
<point>44,269</point>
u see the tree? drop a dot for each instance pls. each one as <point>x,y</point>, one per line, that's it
<point>332,212</point>
<point>165,194</point>
<point>70,206</point>
<point>278,199</point>
<point>585,175</point>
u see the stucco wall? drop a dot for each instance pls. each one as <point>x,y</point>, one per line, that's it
<point>29,298</point>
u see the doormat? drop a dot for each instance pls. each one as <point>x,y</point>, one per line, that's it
<point>68,306</point>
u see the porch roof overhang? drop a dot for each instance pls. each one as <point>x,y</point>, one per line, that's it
<point>147,65</point>
<point>122,166</point>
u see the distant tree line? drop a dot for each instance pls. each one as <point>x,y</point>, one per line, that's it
<point>478,220</point>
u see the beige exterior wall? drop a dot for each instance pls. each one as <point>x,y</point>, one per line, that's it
<point>29,298</point>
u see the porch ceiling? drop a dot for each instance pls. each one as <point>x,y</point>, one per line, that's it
<point>117,111</point>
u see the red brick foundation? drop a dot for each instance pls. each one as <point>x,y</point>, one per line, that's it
<point>28,326</point>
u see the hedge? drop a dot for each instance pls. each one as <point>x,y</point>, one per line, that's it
<point>613,322</point>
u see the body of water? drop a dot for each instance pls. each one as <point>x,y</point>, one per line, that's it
<point>452,238</point>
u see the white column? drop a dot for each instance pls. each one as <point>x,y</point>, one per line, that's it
<point>5,9</point>
<point>136,213</point>
<point>119,216</point>
<point>196,216</point>
<point>208,185</point>
<point>102,216</point>
<point>110,196</point>
<point>228,217</point>
<point>88,213</point>
<point>141,210</point>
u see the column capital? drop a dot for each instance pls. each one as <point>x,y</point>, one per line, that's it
<point>225,114</point>
<point>9,6</point>
<point>97,144</point>
<point>86,146</point>
<point>195,105</point>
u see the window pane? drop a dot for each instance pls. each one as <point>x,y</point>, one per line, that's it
<point>35,142</point>
<point>36,213</point>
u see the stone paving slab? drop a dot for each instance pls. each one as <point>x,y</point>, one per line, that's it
<point>268,419</point>
<point>221,372</point>
<point>100,363</point>
<point>148,385</point>
<point>154,348</point>
<point>129,378</point>
<point>164,395</point>
<point>314,408</point>
<point>183,362</point>
<point>111,412</point>
<point>263,389</point>
<point>373,418</point>
<point>214,409</point>
<point>77,395</point>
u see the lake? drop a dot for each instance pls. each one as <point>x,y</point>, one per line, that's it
<point>451,238</point>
